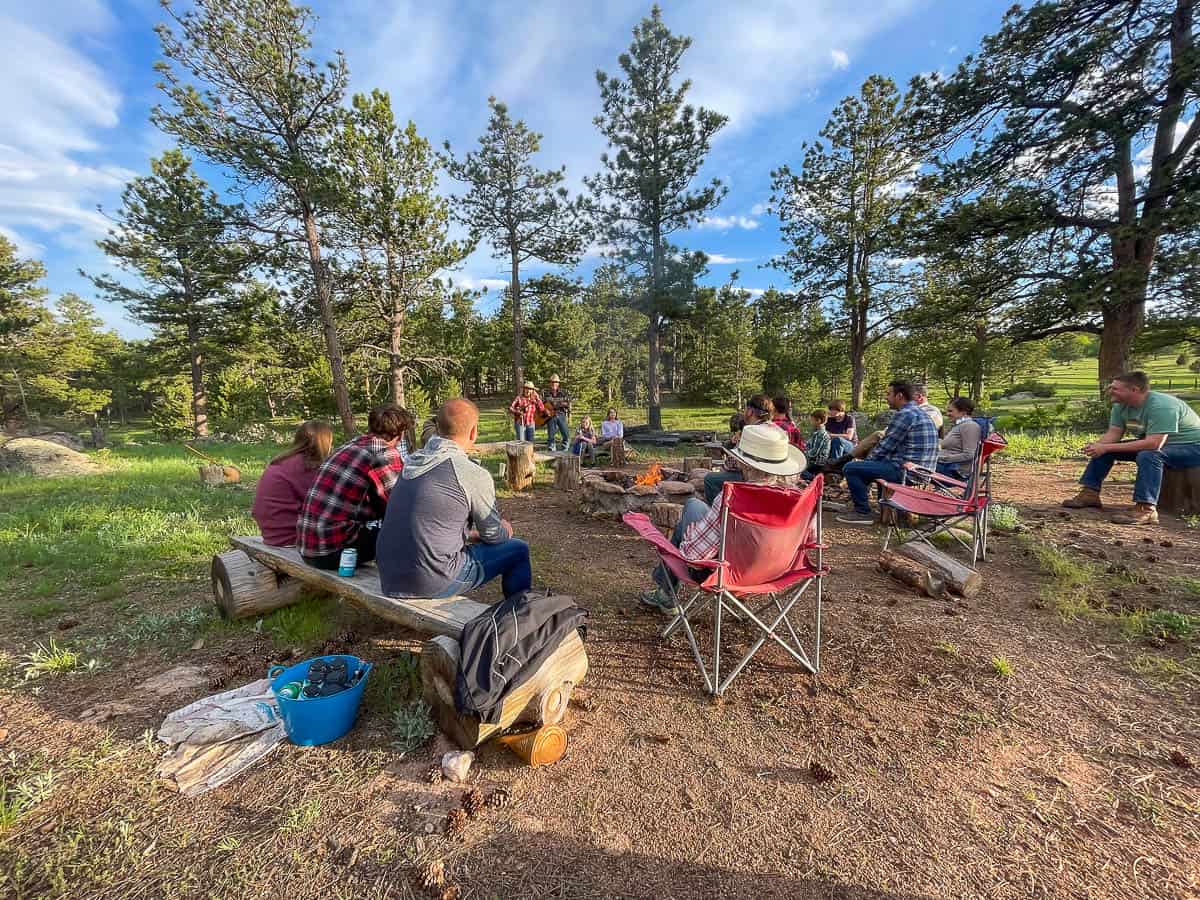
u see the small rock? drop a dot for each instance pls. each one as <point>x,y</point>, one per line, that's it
<point>67,624</point>
<point>1178,758</point>
<point>1167,544</point>
<point>198,644</point>
<point>1150,557</point>
<point>1147,540</point>
<point>457,765</point>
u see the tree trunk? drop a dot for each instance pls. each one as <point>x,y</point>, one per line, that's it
<point>1121,326</point>
<point>653,394</point>
<point>395,360</point>
<point>858,375</point>
<point>514,293</point>
<point>199,396</point>
<point>333,346</point>
<point>981,341</point>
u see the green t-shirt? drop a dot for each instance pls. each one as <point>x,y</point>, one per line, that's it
<point>1160,414</point>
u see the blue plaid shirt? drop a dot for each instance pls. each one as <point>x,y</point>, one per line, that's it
<point>911,437</point>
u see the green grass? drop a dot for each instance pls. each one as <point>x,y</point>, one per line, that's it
<point>412,726</point>
<point>305,622</point>
<point>1002,667</point>
<point>50,659</point>
<point>393,683</point>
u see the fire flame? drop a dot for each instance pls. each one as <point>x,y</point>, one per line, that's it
<point>651,476</point>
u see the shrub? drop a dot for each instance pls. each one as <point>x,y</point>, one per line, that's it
<point>1030,386</point>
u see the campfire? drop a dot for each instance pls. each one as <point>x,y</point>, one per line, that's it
<point>650,477</point>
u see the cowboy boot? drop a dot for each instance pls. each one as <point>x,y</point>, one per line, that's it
<point>1141,514</point>
<point>1086,497</point>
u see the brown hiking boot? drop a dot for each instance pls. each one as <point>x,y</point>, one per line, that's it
<point>1141,514</point>
<point>1085,498</point>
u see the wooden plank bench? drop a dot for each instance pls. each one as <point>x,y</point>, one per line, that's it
<point>256,578</point>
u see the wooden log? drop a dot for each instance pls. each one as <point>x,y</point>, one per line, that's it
<point>540,700</point>
<point>1180,494</point>
<point>617,453</point>
<point>215,475</point>
<point>518,466</point>
<point>913,574</point>
<point>958,577</point>
<point>567,472</point>
<point>665,515</point>
<point>691,463</point>
<point>244,587</point>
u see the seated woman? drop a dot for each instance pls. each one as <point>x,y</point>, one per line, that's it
<point>584,443</point>
<point>961,441</point>
<point>783,418</point>
<point>285,482</point>
<point>763,455</point>
<point>612,427</point>
<point>843,434</point>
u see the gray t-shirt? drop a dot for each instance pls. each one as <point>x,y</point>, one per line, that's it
<point>440,496</point>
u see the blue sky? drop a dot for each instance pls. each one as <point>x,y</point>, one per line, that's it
<point>77,82</point>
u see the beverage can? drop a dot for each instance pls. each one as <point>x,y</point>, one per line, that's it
<point>291,690</point>
<point>348,562</point>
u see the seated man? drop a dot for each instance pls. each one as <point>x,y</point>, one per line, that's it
<point>759,409</point>
<point>921,398</point>
<point>763,456</point>
<point>910,438</point>
<point>442,534</point>
<point>351,491</point>
<point>1166,435</point>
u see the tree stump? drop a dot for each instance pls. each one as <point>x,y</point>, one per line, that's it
<point>691,463</point>
<point>958,577</point>
<point>567,472</point>
<point>518,465</point>
<point>213,475</point>
<point>1180,493</point>
<point>244,587</point>
<point>618,453</point>
<point>911,573</point>
<point>665,515</point>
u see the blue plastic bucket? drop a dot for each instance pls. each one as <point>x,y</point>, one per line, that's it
<point>318,720</point>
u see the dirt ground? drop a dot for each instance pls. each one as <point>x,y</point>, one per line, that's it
<point>912,769</point>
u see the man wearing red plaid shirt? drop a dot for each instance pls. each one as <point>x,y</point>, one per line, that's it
<point>350,495</point>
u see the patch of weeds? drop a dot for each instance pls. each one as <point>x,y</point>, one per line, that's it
<point>305,622</point>
<point>39,610</point>
<point>1071,587</point>
<point>1162,624</point>
<point>228,844</point>
<point>1165,668</point>
<point>302,816</point>
<point>1002,667</point>
<point>52,660</point>
<point>22,796</point>
<point>1192,521</point>
<point>1187,586</point>
<point>947,647</point>
<point>412,726</point>
<point>1003,517</point>
<point>394,682</point>
<point>167,627</point>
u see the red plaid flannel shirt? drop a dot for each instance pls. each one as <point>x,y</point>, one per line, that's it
<point>795,438</point>
<point>523,408</point>
<point>351,489</point>
<point>702,540</point>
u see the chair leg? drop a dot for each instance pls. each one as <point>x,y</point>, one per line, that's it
<point>717,688</point>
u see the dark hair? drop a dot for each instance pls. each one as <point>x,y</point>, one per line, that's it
<point>819,416</point>
<point>1139,380</point>
<point>783,406</point>
<point>963,404</point>
<point>737,422</point>
<point>762,405</point>
<point>903,388</point>
<point>920,388</point>
<point>837,405</point>
<point>313,441</point>
<point>391,421</point>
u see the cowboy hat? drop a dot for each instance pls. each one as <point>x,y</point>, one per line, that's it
<point>765,447</point>
<point>529,386</point>
<point>554,379</point>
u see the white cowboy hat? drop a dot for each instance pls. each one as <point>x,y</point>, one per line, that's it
<point>554,379</point>
<point>530,386</point>
<point>765,447</point>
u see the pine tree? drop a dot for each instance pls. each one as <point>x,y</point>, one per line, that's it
<point>264,108</point>
<point>841,217</point>
<point>172,236</point>
<point>658,144</point>
<point>1075,116</point>
<point>22,306</point>
<point>523,212</point>
<point>393,219</point>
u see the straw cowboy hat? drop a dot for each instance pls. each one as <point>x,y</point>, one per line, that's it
<point>554,379</point>
<point>765,447</point>
<point>529,386</point>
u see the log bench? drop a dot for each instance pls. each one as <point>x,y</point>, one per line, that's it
<point>256,578</point>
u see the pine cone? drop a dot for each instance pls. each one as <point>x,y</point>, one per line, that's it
<point>434,775</point>
<point>456,821</point>
<point>498,798</point>
<point>472,801</point>
<point>819,772</point>
<point>452,892</point>
<point>433,876</point>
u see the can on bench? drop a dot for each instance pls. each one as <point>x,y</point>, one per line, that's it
<point>348,562</point>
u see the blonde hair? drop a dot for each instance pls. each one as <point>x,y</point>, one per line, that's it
<point>585,422</point>
<point>758,476</point>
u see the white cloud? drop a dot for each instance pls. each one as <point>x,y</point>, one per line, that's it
<point>758,209</point>
<point>841,59</point>
<point>755,293</point>
<point>479,284</point>
<point>724,223</point>
<point>720,259</point>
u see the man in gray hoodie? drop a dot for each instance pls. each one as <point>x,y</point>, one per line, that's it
<point>442,534</point>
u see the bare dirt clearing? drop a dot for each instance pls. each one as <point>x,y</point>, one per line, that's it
<point>916,770</point>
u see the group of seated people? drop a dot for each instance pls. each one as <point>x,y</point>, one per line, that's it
<point>427,517</point>
<point>554,405</point>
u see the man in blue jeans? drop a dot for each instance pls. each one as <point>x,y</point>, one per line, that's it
<point>442,534</point>
<point>911,437</point>
<point>1166,435</point>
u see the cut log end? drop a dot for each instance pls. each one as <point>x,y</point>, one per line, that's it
<point>518,465</point>
<point>567,473</point>
<point>1180,494</point>
<point>244,587</point>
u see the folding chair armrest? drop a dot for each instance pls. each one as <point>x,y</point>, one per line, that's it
<point>641,523</point>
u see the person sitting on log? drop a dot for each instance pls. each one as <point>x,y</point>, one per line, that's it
<point>843,432</point>
<point>783,418</point>
<point>910,438</point>
<point>817,447</point>
<point>350,493</point>
<point>759,409</point>
<point>585,439</point>
<point>524,410</point>
<point>558,408</point>
<point>286,481</point>
<point>612,428</point>
<point>1166,435</point>
<point>763,455</point>
<point>921,398</point>
<point>443,534</point>
<point>961,442</point>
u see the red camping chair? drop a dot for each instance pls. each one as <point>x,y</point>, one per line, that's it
<point>943,503</point>
<point>768,535</point>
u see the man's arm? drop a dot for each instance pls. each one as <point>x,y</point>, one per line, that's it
<point>1149,442</point>
<point>489,527</point>
<point>1106,442</point>
<point>894,436</point>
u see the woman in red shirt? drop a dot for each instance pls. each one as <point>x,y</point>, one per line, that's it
<point>783,418</point>
<point>285,482</point>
